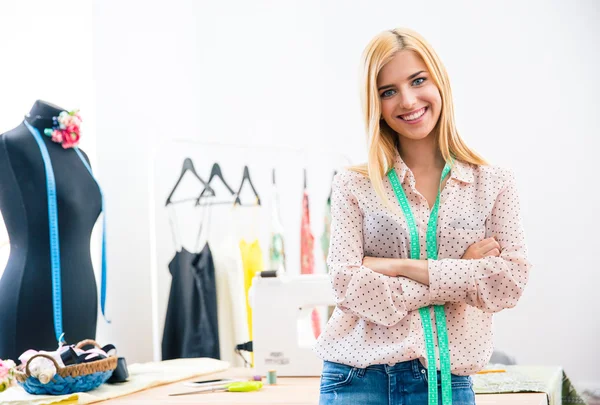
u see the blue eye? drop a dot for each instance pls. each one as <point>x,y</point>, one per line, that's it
<point>387,93</point>
<point>420,78</point>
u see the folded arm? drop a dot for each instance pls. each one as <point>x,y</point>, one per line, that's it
<point>376,297</point>
<point>492,283</point>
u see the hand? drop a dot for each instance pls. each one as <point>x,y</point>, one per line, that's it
<point>380,265</point>
<point>485,248</point>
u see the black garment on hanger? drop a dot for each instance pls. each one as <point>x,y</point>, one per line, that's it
<point>191,325</point>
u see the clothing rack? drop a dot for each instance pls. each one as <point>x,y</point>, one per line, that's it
<point>164,164</point>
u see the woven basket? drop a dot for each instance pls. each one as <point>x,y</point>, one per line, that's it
<point>76,378</point>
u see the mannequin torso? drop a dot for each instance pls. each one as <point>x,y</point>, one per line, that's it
<point>26,318</point>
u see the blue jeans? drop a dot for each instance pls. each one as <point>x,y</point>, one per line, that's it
<point>401,384</point>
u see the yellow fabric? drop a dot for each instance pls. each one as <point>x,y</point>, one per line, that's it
<point>141,377</point>
<point>252,261</point>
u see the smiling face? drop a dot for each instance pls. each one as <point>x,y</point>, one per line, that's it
<point>410,101</point>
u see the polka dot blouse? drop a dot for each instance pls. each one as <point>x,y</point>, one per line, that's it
<point>376,320</point>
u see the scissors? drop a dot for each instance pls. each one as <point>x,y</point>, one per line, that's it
<point>239,386</point>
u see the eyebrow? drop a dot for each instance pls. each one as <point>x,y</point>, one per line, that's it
<point>387,86</point>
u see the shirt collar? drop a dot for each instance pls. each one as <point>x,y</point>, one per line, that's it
<point>461,171</point>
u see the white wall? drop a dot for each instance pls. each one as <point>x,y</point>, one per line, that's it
<point>45,53</point>
<point>284,74</point>
<point>180,71</point>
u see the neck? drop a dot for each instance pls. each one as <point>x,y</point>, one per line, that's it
<point>421,154</point>
<point>40,115</point>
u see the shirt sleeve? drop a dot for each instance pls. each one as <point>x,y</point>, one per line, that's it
<point>492,283</point>
<point>375,297</point>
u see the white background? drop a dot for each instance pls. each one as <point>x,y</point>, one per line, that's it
<point>284,74</point>
<point>45,53</point>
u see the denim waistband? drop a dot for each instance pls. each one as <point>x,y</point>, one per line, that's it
<point>413,365</point>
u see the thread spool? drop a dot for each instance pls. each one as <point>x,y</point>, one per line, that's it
<point>271,377</point>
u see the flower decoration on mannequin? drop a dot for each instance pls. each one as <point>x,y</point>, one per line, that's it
<point>66,129</point>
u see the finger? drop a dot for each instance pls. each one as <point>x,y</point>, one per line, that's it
<point>483,242</point>
<point>489,244</point>
<point>493,252</point>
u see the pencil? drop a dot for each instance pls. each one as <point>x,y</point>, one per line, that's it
<point>491,371</point>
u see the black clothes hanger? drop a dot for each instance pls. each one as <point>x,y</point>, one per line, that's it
<point>188,165</point>
<point>305,178</point>
<point>331,188</point>
<point>245,178</point>
<point>215,172</point>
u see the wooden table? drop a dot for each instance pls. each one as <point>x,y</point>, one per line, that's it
<point>287,391</point>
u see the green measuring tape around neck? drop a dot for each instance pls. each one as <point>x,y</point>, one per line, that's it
<point>440,315</point>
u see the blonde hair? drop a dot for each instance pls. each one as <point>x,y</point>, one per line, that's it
<point>382,140</point>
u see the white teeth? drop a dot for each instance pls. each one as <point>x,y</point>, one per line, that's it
<point>413,116</point>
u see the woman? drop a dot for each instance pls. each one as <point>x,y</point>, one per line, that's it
<point>426,243</point>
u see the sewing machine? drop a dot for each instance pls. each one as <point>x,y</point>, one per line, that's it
<point>282,332</point>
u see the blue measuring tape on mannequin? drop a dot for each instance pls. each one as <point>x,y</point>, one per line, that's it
<point>54,235</point>
<point>440,315</point>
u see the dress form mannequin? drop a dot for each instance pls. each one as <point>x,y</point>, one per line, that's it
<point>26,312</point>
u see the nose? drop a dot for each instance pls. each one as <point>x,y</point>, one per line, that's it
<point>407,100</point>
